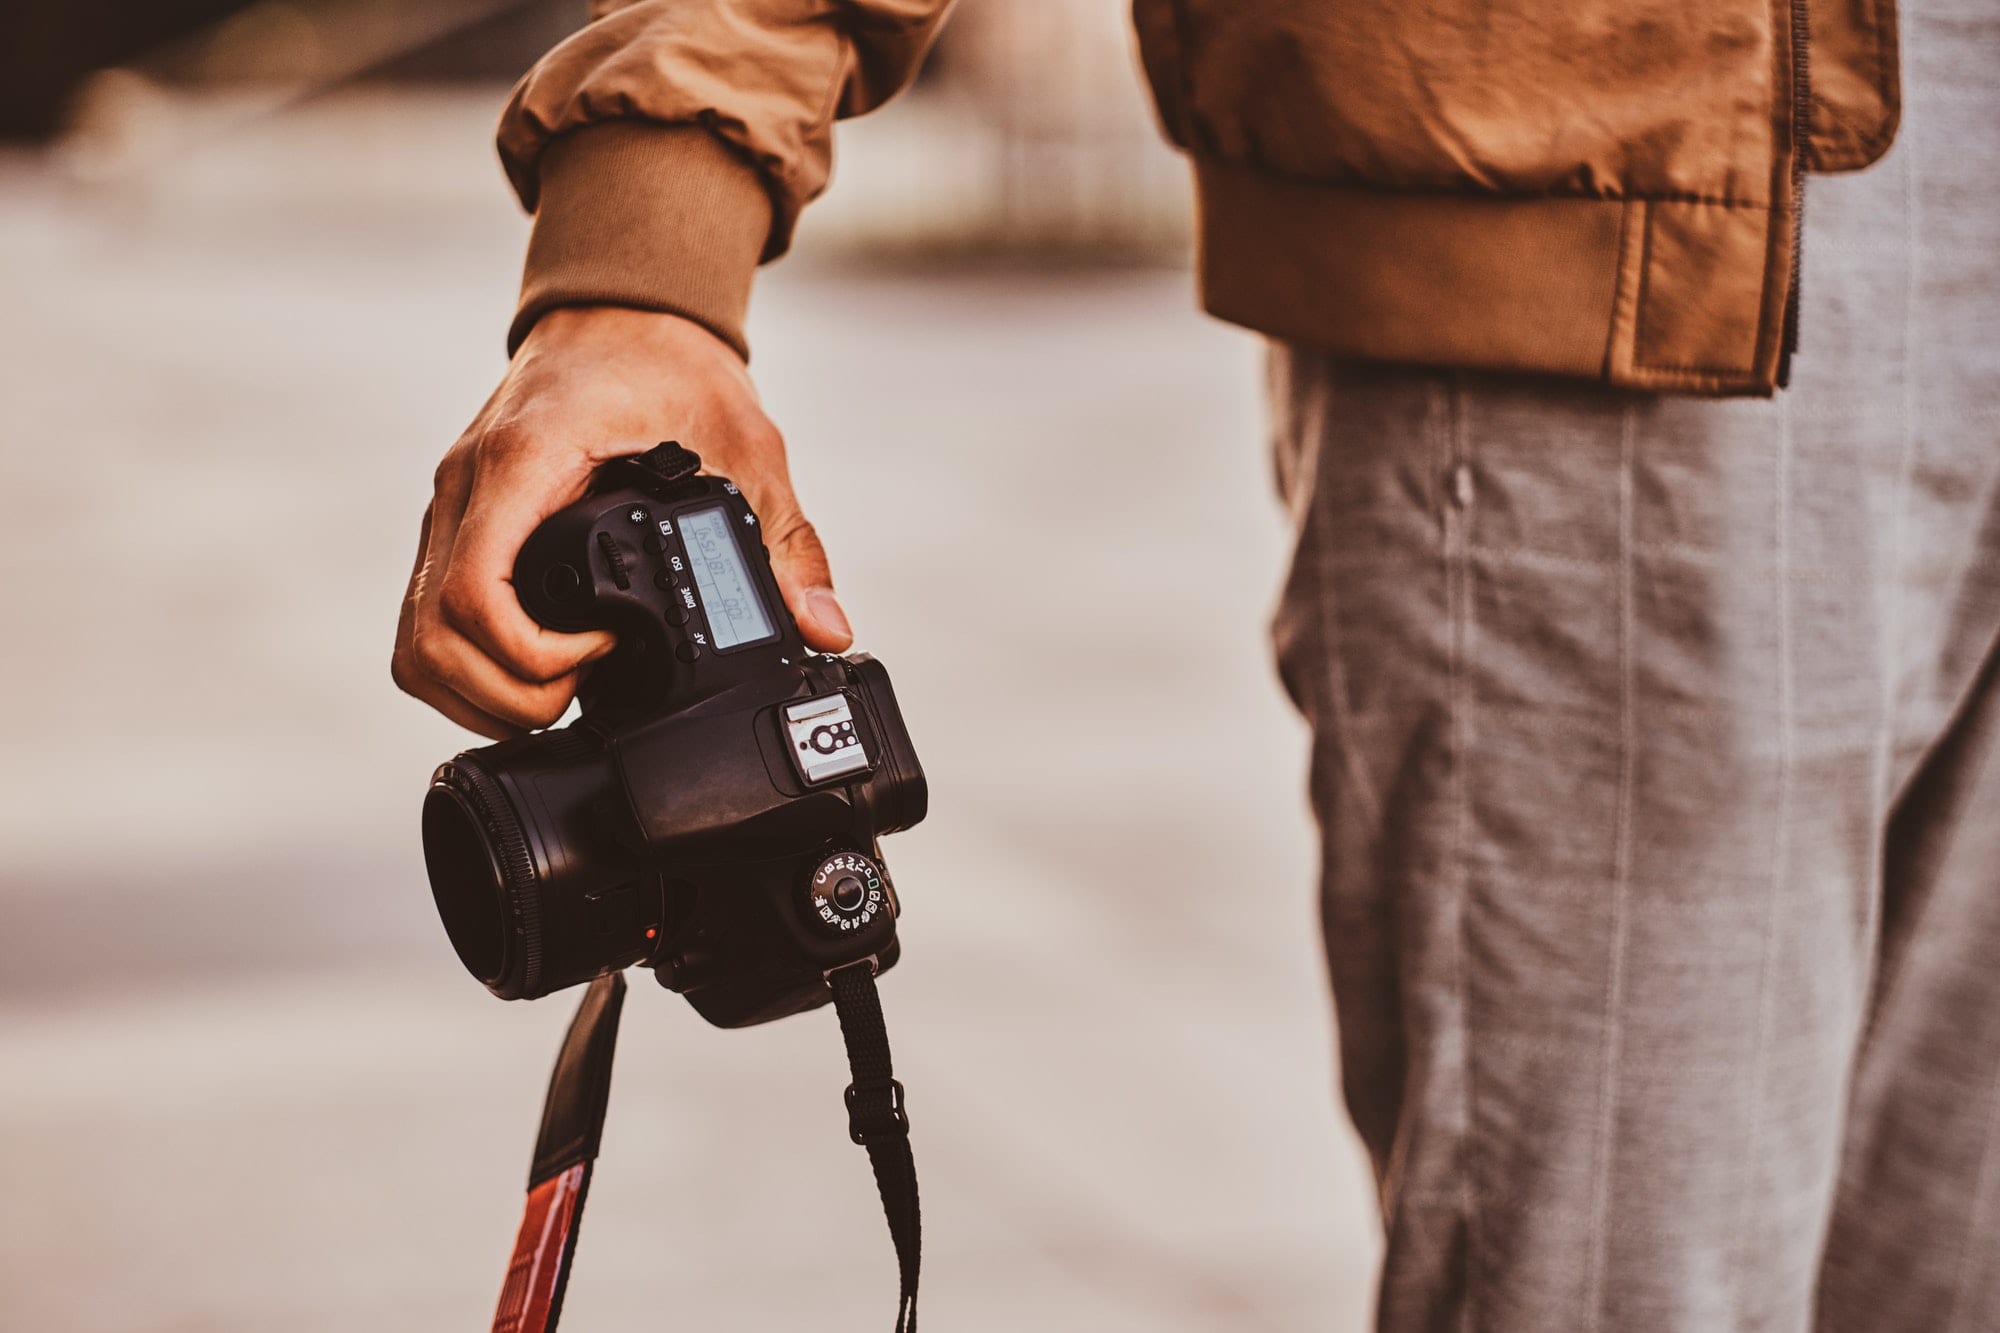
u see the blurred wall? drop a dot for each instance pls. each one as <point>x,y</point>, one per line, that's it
<point>1027,137</point>
<point>47,49</point>
<point>50,48</point>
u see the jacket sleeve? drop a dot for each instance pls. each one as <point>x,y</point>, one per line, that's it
<point>667,148</point>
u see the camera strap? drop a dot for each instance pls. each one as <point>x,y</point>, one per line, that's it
<point>876,1121</point>
<point>565,1150</point>
<point>573,1127</point>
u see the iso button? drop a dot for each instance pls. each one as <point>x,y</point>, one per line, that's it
<point>847,893</point>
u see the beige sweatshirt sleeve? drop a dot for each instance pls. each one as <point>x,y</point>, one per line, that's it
<point>667,148</point>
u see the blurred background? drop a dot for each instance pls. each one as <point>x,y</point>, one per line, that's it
<point>256,263</point>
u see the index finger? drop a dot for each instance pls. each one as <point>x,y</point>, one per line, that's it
<point>511,495</point>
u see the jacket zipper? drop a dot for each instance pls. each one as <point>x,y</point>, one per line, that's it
<point>1801,131</point>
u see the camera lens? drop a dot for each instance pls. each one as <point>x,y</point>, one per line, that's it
<point>535,889</point>
<point>483,877</point>
<point>466,882</point>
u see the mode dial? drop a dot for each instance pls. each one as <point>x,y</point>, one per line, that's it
<point>847,892</point>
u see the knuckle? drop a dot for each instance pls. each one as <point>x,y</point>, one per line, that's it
<point>402,670</point>
<point>474,610</point>
<point>462,603</point>
<point>545,711</point>
<point>530,705</point>
<point>504,440</point>
<point>539,663</point>
<point>794,532</point>
<point>428,657</point>
<point>450,469</point>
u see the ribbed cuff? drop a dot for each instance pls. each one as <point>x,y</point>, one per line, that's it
<point>655,217</point>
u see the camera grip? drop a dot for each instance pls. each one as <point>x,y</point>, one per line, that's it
<point>672,563</point>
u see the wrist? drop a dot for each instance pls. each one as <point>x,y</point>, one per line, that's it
<point>611,339</point>
<point>623,325</point>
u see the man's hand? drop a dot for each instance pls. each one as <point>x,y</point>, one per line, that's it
<point>588,384</point>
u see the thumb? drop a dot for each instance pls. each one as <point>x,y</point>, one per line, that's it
<point>799,561</point>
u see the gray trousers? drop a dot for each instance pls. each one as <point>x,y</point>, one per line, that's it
<point>1657,759</point>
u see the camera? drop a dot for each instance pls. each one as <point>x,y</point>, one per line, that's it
<point>714,812</point>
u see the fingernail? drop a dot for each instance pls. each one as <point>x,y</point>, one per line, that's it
<point>826,610</point>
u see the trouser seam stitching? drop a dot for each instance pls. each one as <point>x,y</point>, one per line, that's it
<point>1781,843</point>
<point>1611,1050</point>
<point>1458,615</point>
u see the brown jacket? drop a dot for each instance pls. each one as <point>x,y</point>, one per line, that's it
<point>1598,188</point>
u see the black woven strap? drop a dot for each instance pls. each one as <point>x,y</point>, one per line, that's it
<point>876,1120</point>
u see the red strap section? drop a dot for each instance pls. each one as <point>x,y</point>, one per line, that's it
<point>533,1292</point>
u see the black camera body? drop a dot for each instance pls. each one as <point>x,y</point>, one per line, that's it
<point>714,813</point>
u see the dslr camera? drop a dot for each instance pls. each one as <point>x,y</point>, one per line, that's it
<point>714,812</point>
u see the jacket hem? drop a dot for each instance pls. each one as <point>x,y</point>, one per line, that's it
<point>1669,295</point>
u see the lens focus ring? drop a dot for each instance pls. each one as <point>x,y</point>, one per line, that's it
<point>508,904</point>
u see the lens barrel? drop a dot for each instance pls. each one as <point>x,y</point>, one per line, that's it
<point>483,879</point>
<point>531,883</point>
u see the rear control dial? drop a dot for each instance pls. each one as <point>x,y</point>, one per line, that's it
<point>847,892</point>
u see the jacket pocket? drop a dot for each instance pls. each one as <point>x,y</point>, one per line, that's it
<point>1599,98</point>
<point>1856,85</point>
